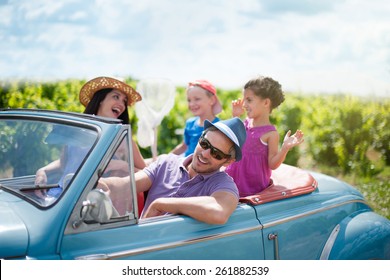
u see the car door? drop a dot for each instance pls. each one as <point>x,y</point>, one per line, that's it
<point>298,228</point>
<point>168,237</point>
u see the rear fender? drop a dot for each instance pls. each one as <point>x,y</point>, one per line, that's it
<point>361,236</point>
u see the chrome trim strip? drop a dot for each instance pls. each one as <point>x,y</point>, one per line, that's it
<point>312,212</point>
<point>159,247</point>
<point>329,243</point>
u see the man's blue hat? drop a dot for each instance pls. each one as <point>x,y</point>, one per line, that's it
<point>234,129</point>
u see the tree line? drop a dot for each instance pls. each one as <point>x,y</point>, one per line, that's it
<point>342,131</point>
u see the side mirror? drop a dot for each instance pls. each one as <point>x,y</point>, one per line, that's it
<point>97,207</point>
<point>100,204</point>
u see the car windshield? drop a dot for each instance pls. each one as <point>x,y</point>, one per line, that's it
<point>34,157</point>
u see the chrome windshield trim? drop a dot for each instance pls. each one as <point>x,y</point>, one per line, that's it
<point>311,212</point>
<point>159,247</point>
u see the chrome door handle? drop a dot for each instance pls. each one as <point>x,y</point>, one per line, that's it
<point>274,237</point>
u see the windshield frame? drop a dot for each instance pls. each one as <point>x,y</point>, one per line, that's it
<point>19,182</point>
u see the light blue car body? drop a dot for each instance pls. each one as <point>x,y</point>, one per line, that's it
<point>331,222</point>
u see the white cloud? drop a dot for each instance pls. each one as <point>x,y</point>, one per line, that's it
<point>311,45</point>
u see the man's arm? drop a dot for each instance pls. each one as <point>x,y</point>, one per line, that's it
<point>214,209</point>
<point>142,182</point>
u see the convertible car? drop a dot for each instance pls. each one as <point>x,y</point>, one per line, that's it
<point>64,214</point>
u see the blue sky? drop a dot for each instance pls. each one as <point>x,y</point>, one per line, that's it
<point>324,46</point>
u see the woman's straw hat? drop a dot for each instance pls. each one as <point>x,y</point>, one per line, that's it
<point>92,86</point>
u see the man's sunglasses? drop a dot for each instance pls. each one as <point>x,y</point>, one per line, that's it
<point>214,152</point>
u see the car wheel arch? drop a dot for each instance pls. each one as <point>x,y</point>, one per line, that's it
<point>355,238</point>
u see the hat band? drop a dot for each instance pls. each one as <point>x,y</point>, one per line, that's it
<point>230,132</point>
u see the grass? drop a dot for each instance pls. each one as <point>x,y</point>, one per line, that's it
<point>376,189</point>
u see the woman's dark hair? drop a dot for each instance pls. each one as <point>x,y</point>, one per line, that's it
<point>93,106</point>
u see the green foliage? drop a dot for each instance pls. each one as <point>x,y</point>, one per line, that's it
<point>344,131</point>
<point>377,122</point>
<point>288,116</point>
<point>320,123</point>
<point>348,134</point>
<point>62,95</point>
<point>374,189</point>
<point>16,146</point>
<point>376,193</point>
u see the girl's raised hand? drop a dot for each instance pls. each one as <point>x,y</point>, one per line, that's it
<point>291,141</point>
<point>237,107</point>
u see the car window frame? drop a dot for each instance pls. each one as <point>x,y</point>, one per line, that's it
<point>53,121</point>
<point>125,132</point>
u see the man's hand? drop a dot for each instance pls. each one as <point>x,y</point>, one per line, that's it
<point>103,185</point>
<point>154,209</point>
<point>214,209</point>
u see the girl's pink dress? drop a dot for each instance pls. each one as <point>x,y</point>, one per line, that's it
<point>252,173</point>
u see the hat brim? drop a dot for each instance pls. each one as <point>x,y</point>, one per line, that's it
<point>229,133</point>
<point>217,108</point>
<point>91,87</point>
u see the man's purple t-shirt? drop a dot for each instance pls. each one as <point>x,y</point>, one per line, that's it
<point>170,178</point>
